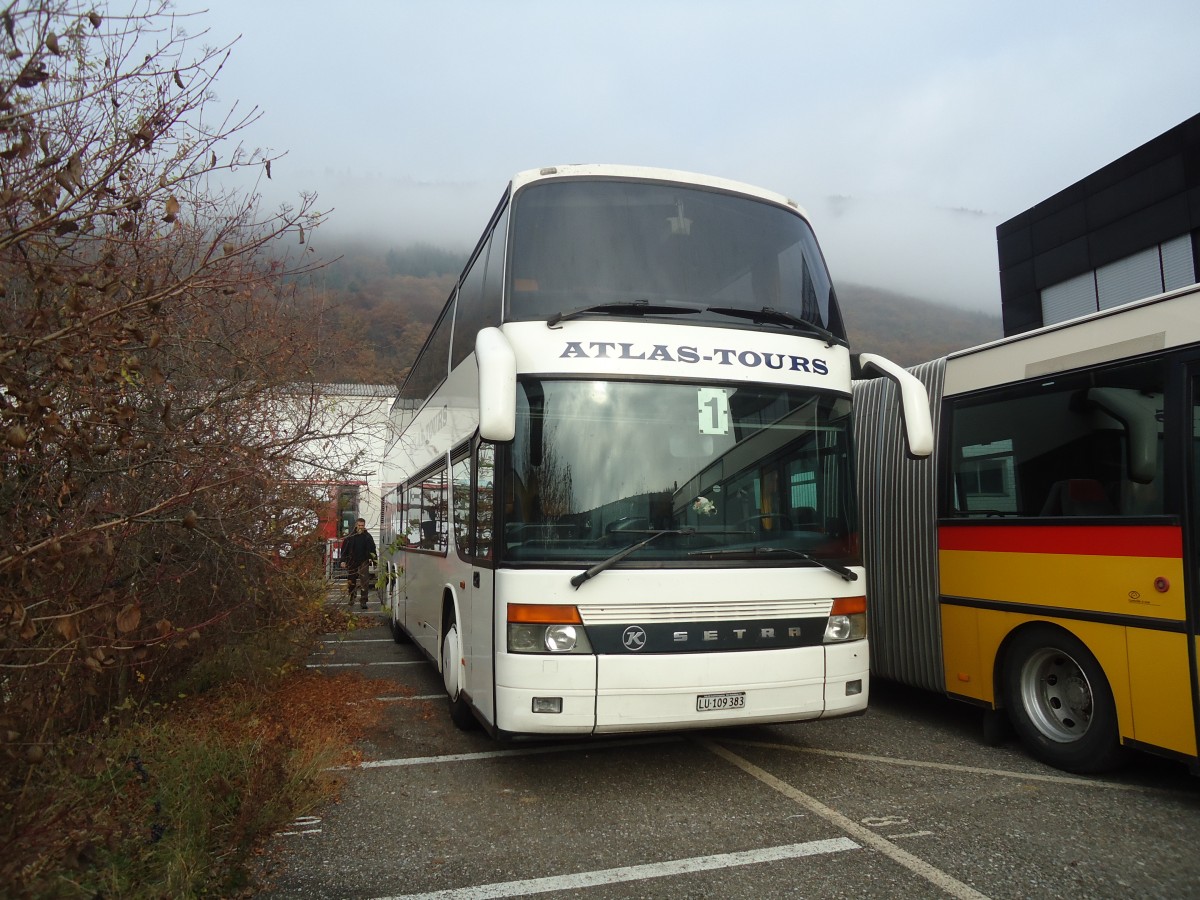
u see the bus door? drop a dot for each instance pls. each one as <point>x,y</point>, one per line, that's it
<point>473,527</point>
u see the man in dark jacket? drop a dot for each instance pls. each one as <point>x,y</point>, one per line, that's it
<point>358,549</point>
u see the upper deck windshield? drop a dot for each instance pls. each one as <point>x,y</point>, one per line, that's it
<point>581,243</point>
<point>727,473</point>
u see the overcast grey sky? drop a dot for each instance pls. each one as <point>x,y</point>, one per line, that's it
<point>908,131</point>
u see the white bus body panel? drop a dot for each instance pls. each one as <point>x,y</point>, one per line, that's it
<point>426,579</point>
<point>1143,326</point>
<point>625,692</point>
<point>440,424</point>
<point>659,692</point>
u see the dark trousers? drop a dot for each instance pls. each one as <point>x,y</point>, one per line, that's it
<point>358,577</point>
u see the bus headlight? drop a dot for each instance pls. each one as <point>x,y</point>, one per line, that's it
<point>847,620</point>
<point>524,638</point>
<point>546,628</point>
<point>561,638</point>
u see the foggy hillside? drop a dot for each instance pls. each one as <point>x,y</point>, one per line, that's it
<point>382,303</point>
<point>908,330</point>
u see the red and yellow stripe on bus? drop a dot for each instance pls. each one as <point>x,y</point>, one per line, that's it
<point>1118,588</point>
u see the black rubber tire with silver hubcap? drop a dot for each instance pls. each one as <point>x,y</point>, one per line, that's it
<point>1059,701</point>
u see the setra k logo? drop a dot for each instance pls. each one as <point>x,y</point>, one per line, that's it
<point>634,638</point>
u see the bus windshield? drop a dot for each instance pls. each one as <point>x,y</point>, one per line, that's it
<point>592,243</point>
<point>728,472</point>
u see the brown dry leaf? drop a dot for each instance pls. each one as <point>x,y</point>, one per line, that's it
<point>129,618</point>
<point>68,627</point>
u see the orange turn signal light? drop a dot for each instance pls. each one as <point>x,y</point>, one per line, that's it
<point>848,606</point>
<point>544,614</point>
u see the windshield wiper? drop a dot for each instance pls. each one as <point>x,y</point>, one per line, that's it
<point>778,317</point>
<point>630,308</point>
<point>599,567</point>
<point>836,568</point>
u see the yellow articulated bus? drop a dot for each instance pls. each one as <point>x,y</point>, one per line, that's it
<point>1042,562</point>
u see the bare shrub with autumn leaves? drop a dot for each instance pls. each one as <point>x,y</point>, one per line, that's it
<point>153,417</point>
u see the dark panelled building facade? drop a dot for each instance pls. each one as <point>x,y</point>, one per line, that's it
<point>1127,231</point>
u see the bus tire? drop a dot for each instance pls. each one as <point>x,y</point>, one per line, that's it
<point>1060,703</point>
<point>399,635</point>
<point>460,710</point>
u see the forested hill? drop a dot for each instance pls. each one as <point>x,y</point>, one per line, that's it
<point>379,304</point>
<point>908,330</point>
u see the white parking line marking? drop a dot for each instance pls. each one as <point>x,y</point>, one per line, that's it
<point>348,665</point>
<point>358,641</point>
<point>496,754</point>
<point>935,876</point>
<point>418,697</point>
<point>299,824</point>
<point>949,767</point>
<point>635,873</point>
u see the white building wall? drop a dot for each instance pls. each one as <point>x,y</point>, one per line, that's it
<point>355,418</point>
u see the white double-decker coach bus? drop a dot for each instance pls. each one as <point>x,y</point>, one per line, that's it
<point>619,487</point>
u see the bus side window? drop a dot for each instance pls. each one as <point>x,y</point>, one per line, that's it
<point>485,516</point>
<point>1081,445</point>
<point>435,527</point>
<point>460,505</point>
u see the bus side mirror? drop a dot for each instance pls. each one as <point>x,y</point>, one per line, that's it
<point>497,386</point>
<point>914,402</point>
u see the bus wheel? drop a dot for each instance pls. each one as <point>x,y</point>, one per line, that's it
<point>1060,702</point>
<point>460,712</point>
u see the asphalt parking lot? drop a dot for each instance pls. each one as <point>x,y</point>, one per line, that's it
<point>906,800</point>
